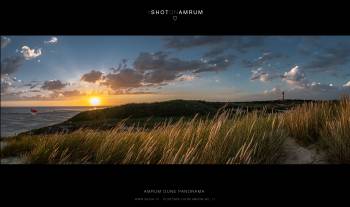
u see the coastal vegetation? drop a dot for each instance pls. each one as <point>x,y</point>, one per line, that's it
<point>190,132</point>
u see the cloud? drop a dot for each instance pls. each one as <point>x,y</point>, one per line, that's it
<point>220,43</point>
<point>55,94</point>
<point>156,69</point>
<point>309,45</point>
<point>29,54</point>
<point>71,93</point>
<point>52,41</point>
<point>161,61</point>
<point>295,77</point>
<point>159,67</point>
<point>52,85</point>
<point>186,78</point>
<point>305,89</point>
<point>216,64</point>
<point>52,90</point>
<point>261,75</point>
<point>31,85</point>
<point>259,62</point>
<point>242,44</point>
<point>9,84</point>
<point>92,77</point>
<point>273,91</point>
<point>347,84</point>
<point>161,76</point>
<point>183,42</point>
<point>11,64</point>
<point>217,45</point>
<point>330,58</point>
<point>321,91</point>
<point>127,78</point>
<point>312,91</point>
<point>5,84</point>
<point>5,41</point>
<point>131,92</point>
<point>216,51</point>
<point>13,95</point>
<point>122,65</point>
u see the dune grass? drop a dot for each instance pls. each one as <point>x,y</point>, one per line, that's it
<point>224,139</point>
<point>304,122</point>
<point>227,138</point>
<point>16,146</point>
<point>335,135</point>
<point>325,124</point>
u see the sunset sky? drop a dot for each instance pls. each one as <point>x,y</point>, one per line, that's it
<point>71,70</point>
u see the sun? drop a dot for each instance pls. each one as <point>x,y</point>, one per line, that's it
<point>95,101</point>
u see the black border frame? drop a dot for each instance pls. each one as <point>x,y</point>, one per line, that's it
<point>90,184</point>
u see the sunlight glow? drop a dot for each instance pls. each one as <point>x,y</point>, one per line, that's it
<point>95,101</point>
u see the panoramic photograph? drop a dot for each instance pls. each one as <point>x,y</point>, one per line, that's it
<point>221,100</point>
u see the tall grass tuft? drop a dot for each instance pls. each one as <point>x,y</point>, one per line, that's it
<point>304,122</point>
<point>335,136</point>
<point>225,139</point>
<point>326,124</point>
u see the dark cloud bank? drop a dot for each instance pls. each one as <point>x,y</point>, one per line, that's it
<point>155,69</point>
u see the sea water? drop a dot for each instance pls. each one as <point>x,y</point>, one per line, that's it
<point>15,120</point>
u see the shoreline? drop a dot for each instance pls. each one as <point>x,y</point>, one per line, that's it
<point>68,125</point>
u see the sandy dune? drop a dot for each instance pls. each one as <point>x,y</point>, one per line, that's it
<point>296,154</point>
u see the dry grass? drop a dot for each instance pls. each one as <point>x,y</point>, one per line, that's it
<point>305,121</point>
<point>228,138</point>
<point>326,124</point>
<point>225,139</point>
<point>335,135</point>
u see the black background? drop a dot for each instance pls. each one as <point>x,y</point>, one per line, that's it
<point>99,184</point>
<point>220,17</point>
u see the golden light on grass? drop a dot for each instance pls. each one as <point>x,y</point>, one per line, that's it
<point>95,101</point>
<point>230,137</point>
